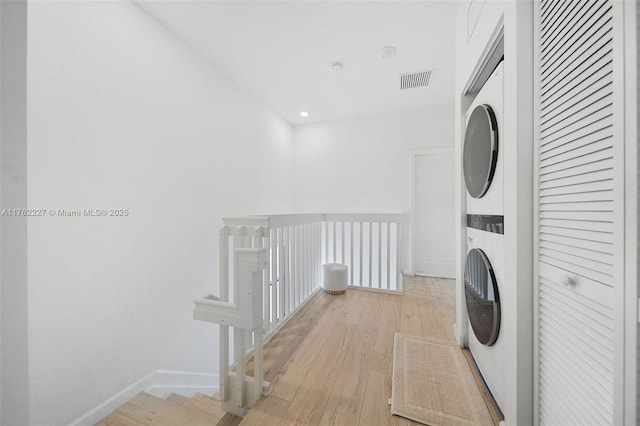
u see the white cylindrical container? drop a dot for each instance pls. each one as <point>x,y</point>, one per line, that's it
<point>334,278</point>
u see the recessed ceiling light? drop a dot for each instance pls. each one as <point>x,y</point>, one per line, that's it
<point>304,114</point>
<point>387,52</point>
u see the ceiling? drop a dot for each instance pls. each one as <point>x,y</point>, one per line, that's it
<point>282,51</point>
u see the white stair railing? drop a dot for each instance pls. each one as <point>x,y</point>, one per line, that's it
<point>243,312</point>
<point>294,268</point>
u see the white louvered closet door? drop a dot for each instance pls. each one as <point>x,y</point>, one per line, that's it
<point>579,226</point>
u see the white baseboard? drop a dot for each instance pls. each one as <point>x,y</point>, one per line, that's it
<point>184,383</point>
<point>160,383</point>
<point>439,270</point>
<point>460,338</point>
<point>379,290</point>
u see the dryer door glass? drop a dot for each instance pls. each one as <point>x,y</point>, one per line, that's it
<point>480,150</point>
<point>481,294</point>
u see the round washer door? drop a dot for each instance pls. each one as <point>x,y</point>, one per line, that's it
<point>480,150</point>
<point>482,298</point>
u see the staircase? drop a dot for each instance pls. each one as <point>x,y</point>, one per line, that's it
<point>146,409</point>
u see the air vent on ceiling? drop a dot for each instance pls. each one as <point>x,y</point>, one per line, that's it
<point>411,80</point>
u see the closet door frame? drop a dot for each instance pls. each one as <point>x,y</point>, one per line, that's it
<point>631,35</point>
<point>619,214</point>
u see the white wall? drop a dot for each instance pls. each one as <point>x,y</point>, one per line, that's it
<point>13,228</point>
<point>122,116</point>
<point>364,164</point>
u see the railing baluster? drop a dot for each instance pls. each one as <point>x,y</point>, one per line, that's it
<point>360,258</point>
<point>224,330</point>
<point>318,269</point>
<point>299,265</point>
<point>325,241</point>
<point>351,253</point>
<point>287,270</point>
<point>303,260</point>
<point>239,351</point>
<point>300,244</point>
<point>224,362</point>
<point>334,255</point>
<point>309,247</point>
<point>258,242</point>
<point>314,254</point>
<point>398,257</point>
<point>294,267</point>
<point>379,254</point>
<point>342,241</point>
<point>274,276</point>
<point>370,254</point>
<point>281,277</point>
<point>309,258</point>
<point>257,365</point>
<point>299,280</point>
<point>388,255</point>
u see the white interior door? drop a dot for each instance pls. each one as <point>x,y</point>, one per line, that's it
<point>579,230</point>
<point>433,214</point>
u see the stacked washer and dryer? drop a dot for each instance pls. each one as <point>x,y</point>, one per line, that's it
<point>483,160</point>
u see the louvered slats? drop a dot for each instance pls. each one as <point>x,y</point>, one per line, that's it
<point>575,158</point>
<point>560,72</point>
<point>576,359</point>
<point>576,164</point>
<point>595,132</point>
<point>551,231</point>
<point>579,225</point>
<point>576,204</point>
<point>556,98</point>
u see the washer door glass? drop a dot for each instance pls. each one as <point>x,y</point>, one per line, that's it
<point>480,150</point>
<point>481,294</point>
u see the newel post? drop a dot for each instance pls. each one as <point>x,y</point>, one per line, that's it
<point>245,313</point>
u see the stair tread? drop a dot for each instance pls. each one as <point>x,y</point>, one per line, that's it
<point>150,410</point>
<point>206,404</point>
<point>141,415</point>
<point>176,397</point>
<point>203,397</point>
<point>229,420</point>
<point>118,419</point>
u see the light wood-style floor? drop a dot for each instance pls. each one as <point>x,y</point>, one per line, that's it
<point>332,363</point>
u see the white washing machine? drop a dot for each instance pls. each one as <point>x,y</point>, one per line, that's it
<point>484,284</point>
<point>484,266</point>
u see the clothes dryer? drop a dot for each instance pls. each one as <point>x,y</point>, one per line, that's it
<point>483,158</point>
